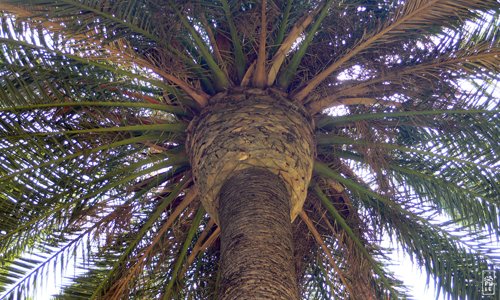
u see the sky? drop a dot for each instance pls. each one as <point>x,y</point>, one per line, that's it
<point>413,278</point>
<point>403,268</point>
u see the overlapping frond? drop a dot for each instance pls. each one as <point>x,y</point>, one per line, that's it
<point>415,232</point>
<point>69,159</point>
<point>410,20</point>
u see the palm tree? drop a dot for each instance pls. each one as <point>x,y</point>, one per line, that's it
<point>247,149</point>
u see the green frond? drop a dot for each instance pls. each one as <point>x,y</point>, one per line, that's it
<point>201,279</point>
<point>138,237</point>
<point>239,56</point>
<point>182,255</point>
<point>322,285</point>
<point>466,200</point>
<point>448,161</point>
<point>101,215</point>
<point>412,18</point>
<point>162,107</point>
<point>54,182</point>
<point>24,272</point>
<point>108,251</point>
<point>128,19</point>
<point>453,252</point>
<point>290,71</point>
<point>387,284</point>
<point>41,209</point>
<point>329,139</point>
<point>77,59</point>
<point>220,81</point>
<point>115,62</point>
<point>283,25</point>
<point>327,121</point>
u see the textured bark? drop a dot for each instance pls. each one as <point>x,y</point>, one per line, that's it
<point>247,128</point>
<point>256,237</point>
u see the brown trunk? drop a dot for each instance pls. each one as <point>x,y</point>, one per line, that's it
<point>244,128</point>
<point>256,237</point>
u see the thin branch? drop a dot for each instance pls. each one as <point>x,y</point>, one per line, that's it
<point>139,236</point>
<point>182,254</point>
<point>122,284</point>
<point>350,233</point>
<point>210,240</point>
<point>317,106</point>
<point>201,244</point>
<point>291,69</point>
<point>283,25</point>
<point>199,247</point>
<point>320,241</point>
<point>198,96</point>
<point>211,38</point>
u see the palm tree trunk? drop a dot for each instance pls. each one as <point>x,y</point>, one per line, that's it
<point>256,237</point>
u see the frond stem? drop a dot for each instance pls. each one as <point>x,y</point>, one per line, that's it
<point>320,241</point>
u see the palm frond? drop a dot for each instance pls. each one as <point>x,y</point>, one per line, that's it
<point>414,233</point>
<point>182,255</point>
<point>221,81</point>
<point>363,255</point>
<point>415,16</point>
<point>118,266</point>
<point>290,71</point>
<point>95,101</point>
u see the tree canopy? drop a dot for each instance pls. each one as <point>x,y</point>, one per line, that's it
<point>95,101</point>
